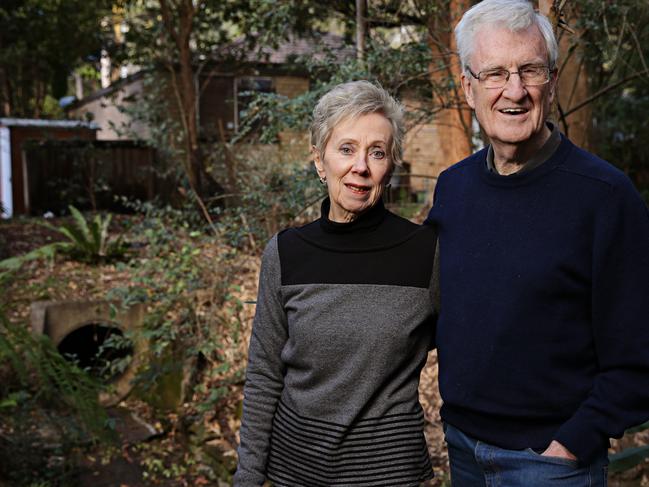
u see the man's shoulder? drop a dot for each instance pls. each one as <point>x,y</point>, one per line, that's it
<point>469,163</point>
<point>589,167</point>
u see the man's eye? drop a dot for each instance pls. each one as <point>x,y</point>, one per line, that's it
<point>531,70</point>
<point>494,75</point>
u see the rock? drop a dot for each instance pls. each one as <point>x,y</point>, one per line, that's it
<point>130,427</point>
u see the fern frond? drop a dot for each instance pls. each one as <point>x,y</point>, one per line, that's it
<point>13,264</point>
<point>81,224</point>
<point>10,350</point>
<point>39,366</point>
<point>88,240</point>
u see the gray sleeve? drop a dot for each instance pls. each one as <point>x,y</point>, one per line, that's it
<point>265,373</point>
<point>435,293</point>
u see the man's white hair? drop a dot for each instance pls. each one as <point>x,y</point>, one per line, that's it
<point>515,15</point>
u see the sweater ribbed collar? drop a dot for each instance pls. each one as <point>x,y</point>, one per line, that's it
<point>525,177</point>
<point>366,222</point>
<point>544,153</point>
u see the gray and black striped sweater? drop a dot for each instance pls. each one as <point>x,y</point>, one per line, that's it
<point>343,325</point>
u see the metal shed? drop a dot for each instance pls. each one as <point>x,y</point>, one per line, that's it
<point>14,132</point>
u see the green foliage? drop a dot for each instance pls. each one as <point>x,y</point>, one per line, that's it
<point>193,324</point>
<point>114,356</point>
<point>629,457</point>
<point>147,44</point>
<point>13,264</point>
<point>613,39</point>
<point>402,70</point>
<point>40,48</point>
<point>271,197</point>
<point>48,407</point>
<point>37,369</point>
<point>89,241</point>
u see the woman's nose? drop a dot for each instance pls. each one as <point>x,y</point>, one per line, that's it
<point>360,163</point>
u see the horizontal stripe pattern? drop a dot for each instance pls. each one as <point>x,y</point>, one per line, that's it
<point>385,451</point>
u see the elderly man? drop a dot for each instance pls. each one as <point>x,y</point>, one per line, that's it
<point>543,336</point>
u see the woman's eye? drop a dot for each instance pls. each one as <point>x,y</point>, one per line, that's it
<point>346,150</point>
<point>378,154</point>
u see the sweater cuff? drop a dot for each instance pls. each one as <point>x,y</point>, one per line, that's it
<point>247,479</point>
<point>582,440</point>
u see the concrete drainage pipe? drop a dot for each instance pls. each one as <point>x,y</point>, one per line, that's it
<point>86,331</point>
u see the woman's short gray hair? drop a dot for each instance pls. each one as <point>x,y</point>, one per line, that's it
<point>514,15</point>
<point>351,100</point>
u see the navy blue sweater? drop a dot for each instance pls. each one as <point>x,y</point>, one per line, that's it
<point>544,280</point>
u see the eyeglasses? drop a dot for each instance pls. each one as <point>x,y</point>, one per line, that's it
<point>498,78</point>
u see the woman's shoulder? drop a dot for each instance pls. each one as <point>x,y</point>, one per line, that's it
<point>291,233</point>
<point>398,225</point>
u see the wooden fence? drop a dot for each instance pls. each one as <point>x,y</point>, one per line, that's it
<point>89,174</point>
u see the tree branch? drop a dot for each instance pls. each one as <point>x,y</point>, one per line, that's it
<point>605,90</point>
<point>167,18</point>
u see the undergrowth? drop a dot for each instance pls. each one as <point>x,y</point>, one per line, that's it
<point>48,408</point>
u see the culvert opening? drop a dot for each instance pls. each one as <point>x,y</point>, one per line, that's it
<point>100,348</point>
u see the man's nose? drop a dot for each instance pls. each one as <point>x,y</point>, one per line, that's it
<point>514,88</point>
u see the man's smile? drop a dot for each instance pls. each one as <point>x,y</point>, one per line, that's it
<point>514,111</point>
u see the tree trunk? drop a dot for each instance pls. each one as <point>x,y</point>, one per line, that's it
<point>189,99</point>
<point>5,86</point>
<point>179,26</point>
<point>453,122</point>
<point>361,28</point>
<point>573,86</point>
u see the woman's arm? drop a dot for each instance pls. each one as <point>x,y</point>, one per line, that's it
<point>265,373</point>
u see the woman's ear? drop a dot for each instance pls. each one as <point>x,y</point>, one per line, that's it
<point>388,175</point>
<point>317,161</point>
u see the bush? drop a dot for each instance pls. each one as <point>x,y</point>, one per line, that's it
<point>48,408</point>
<point>89,241</point>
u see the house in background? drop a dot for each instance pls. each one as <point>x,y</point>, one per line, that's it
<point>221,104</point>
<point>221,84</point>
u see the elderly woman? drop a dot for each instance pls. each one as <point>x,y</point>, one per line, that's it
<point>344,319</point>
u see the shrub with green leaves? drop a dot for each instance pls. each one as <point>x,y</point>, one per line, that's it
<point>89,241</point>
<point>629,457</point>
<point>32,365</point>
<point>48,408</point>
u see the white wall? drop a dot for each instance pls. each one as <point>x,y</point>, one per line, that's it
<point>6,194</point>
<point>106,114</point>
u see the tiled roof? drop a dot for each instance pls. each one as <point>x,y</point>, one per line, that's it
<point>315,47</point>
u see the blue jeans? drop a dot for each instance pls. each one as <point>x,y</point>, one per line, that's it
<point>477,464</point>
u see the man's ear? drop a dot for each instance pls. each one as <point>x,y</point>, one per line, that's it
<point>317,161</point>
<point>467,86</point>
<point>554,81</point>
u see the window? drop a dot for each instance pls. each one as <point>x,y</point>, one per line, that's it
<point>246,89</point>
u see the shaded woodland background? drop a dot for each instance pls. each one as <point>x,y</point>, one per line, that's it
<point>212,99</point>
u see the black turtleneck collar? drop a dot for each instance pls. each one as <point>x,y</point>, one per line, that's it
<point>377,228</point>
<point>367,221</point>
